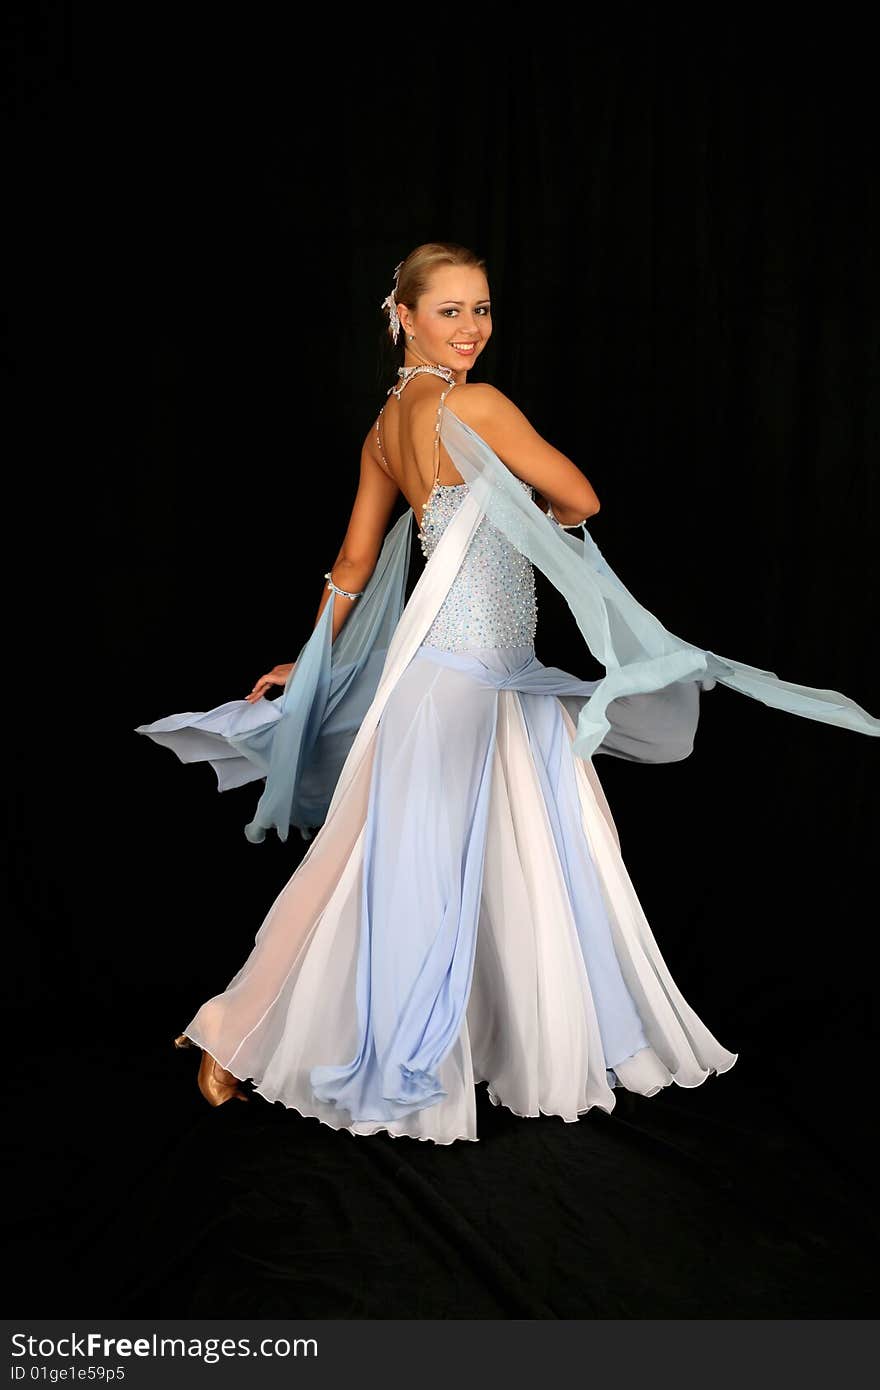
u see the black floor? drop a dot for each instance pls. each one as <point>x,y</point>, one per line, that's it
<point>133,1197</point>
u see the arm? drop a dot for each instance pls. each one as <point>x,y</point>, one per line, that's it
<point>377,492</point>
<point>517,443</point>
<point>357,557</point>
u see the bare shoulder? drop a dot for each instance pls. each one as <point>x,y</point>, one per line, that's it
<point>493,415</point>
<point>478,403</point>
<point>514,439</point>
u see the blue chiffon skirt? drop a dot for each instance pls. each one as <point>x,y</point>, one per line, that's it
<point>463,915</point>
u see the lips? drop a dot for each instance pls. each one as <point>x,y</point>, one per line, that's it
<point>466,349</point>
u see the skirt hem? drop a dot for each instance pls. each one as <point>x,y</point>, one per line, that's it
<point>365,1129</point>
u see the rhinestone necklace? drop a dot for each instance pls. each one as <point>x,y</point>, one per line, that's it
<point>407,373</point>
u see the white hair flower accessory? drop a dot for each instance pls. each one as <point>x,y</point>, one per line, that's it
<point>390,303</point>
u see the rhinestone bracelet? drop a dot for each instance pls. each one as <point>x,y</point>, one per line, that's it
<point>576,526</point>
<point>336,589</point>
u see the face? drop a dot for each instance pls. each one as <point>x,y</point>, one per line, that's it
<point>452,322</point>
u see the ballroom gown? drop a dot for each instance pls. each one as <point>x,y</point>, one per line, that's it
<point>463,914</point>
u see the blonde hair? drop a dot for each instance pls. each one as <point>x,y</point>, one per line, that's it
<point>420,264</point>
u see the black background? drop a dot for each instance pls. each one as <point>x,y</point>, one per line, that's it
<point>680,224</point>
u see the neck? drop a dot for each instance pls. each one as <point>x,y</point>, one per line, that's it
<point>413,359</point>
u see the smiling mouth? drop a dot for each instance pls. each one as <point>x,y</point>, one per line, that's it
<point>466,349</point>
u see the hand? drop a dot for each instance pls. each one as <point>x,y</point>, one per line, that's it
<point>277,676</point>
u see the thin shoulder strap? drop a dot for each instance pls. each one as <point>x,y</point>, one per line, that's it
<point>443,396</point>
<point>381,450</point>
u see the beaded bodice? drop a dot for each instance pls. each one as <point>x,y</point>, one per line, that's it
<point>491,601</point>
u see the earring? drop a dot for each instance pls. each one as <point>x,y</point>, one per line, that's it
<point>411,336</point>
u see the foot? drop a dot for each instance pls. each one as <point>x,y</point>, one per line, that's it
<point>217,1084</point>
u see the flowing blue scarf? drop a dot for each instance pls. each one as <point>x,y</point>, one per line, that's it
<point>644,709</point>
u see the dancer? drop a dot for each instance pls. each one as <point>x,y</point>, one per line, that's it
<point>463,913</point>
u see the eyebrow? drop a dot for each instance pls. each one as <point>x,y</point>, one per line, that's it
<point>460,302</point>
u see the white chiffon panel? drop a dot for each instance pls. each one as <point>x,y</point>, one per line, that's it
<point>560,974</point>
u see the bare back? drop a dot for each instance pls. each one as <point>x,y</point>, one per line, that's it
<point>405,435</point>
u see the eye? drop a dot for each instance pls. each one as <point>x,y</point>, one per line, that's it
<point>481,309</point>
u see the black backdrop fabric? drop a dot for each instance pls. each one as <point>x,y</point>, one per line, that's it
<point>680,227</point>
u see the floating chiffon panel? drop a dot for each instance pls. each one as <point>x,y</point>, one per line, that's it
<point>299,740</point>
<point>323,707</point>
<point>209,736</point>
<point>655,727</point>
<point>639,654</point>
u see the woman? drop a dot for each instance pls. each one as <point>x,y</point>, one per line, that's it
<point>463,913</point>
